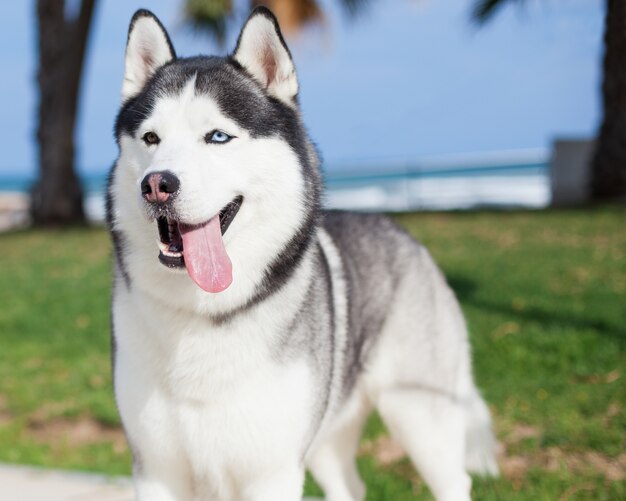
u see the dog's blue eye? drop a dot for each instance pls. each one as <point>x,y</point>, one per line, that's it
<point>217,136</point>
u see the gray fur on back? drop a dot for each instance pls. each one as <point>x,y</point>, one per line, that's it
<point>373,251</point>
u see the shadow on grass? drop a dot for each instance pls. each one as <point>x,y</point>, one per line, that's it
<point>465,289</point>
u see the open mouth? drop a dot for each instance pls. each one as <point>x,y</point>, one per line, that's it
<point>171,240</point>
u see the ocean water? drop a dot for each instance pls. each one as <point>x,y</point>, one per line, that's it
<point>92,183</point>
<point>509,185</point>
<point>429,186</point>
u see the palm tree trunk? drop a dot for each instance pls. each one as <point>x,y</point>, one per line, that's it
<point>608,169</point>
<point>57,195</point>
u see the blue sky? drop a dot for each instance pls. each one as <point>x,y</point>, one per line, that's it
<point>409,79</point>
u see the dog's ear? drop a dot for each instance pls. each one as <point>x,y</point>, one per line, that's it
<point>262,51</point>
<point>147,49</point>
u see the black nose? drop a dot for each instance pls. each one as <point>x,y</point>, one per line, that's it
<point>157,187</point>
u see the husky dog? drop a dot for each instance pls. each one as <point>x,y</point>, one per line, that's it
<point>253,332</point>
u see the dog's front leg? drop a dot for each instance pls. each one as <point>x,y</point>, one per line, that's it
<point>284,485</point>
<point>161,485</point>
<point>161,471</point>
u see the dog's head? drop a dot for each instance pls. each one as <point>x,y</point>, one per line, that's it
<point>216,174</point>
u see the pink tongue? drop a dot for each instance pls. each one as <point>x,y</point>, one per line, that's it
<point>205,257</point>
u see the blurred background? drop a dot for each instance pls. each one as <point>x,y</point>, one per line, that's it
<point>430,104</point>
<point>493,130</point>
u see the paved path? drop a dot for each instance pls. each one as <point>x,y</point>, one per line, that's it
<point>23,483</point>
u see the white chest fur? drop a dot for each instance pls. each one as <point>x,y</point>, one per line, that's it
<point>212,399</point>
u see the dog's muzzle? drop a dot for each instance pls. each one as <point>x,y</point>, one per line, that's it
<point>170,239</point>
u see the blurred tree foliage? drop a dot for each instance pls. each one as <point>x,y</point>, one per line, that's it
<point>214,16</point>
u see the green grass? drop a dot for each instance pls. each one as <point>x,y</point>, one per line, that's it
<point>545,298</point>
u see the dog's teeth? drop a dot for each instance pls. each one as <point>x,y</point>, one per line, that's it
<point>167,251</point>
